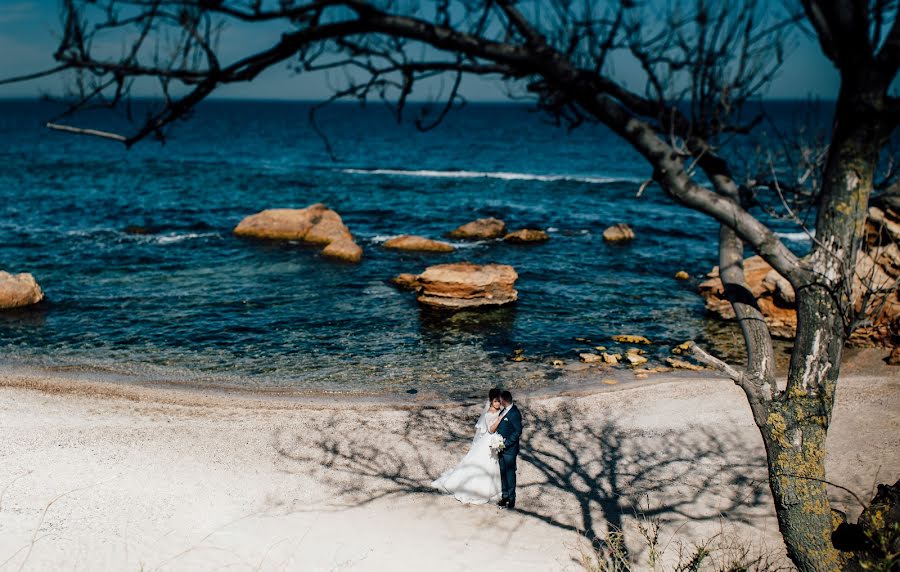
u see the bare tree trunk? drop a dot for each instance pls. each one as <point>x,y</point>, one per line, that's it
<point>797,423</point>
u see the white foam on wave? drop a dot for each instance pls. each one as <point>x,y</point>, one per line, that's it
<point>170,238</point>
<point>795,236</point>
<point>382,238</point>
<point>506,176</point>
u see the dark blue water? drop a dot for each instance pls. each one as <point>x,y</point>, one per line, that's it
<point>189,302</point>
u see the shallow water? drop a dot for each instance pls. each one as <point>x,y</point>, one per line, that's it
<point>189,302</point>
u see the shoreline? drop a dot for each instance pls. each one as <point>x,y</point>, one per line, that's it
<point>91,385</point>
<point>577,380</point>
<point>96,478</point>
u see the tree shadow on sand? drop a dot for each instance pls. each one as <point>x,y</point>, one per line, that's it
<point>575,472</point>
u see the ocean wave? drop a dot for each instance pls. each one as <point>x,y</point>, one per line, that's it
<point>175,237</point>
<point>795,236</point>
<point>503,175</point>
<point>382,238</point>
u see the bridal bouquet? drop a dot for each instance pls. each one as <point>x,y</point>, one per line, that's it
<point>496,443</point>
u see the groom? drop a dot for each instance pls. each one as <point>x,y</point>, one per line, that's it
<point>511,429</point>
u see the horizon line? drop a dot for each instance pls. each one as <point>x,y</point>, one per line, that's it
<point>356,102</point>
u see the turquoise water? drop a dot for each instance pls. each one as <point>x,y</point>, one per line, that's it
<point>189,302</point>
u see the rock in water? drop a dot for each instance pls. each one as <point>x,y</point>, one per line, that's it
<point>630,339</point>
<point>464,285</point>
<point>405,281</point>
<point>343,249</point>
<point>279,224</point>
<point>411,242</point>
<point>618,233</point>
<point>481,229</point>
<point>527,235</point>
<point>316,224</point>
<point>18,290</point>
<point>682,275</point>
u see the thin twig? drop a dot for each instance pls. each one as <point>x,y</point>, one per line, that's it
<point>90,132</point>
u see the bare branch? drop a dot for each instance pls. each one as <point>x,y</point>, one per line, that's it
<point>90,132</point>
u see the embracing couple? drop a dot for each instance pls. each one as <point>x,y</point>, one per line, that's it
<point>488,471</point>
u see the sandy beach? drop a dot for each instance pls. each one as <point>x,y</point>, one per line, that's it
<point>98,476</point>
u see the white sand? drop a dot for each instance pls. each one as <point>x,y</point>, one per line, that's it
<point>94,477</point>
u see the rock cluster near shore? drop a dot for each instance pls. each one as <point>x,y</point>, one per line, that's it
<point>316,224</point>
<point>18,290</point>
<point>877,269</point>
<point>464,285</point>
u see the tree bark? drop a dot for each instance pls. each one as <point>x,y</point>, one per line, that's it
<point>794,436</point>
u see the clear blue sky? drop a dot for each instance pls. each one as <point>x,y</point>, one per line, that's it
<point>29,31</point>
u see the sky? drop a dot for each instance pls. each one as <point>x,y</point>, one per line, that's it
<point>29,32</point>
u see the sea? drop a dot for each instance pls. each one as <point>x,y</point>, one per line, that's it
<point>145,281</point>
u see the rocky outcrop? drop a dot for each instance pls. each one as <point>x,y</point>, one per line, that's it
<point>481,229</point>
<point>618,233</point>
<point>527,235</point>
<point>773,294</point>
<point>873,289</point>
<point>18,290</point>
<point>420,243</point>
<point>316,224</point>
<point>465,285</point>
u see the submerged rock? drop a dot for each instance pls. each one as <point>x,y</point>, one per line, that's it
<point>18,290</point>
<point>618,233</point>
<point>527,235</point>
<point>406,281</point>
<point>411,242</point>
<point>316,224</point>
<point>481,229</point>
<point>629,339</point>
<point>465,285</point>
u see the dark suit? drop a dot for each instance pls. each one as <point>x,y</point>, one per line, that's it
<point>511,429</point>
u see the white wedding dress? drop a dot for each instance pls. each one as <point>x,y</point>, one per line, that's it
<point>476,479</point>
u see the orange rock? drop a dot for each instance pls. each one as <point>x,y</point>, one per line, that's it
<point>411,242</point>
<point>481,229</point>
<point>618,233</point>
<point>405,281</point>
<point>776,298</point>
<point>277,224</point>
<point>316,224</point>
<point>327,228</point>
<point>466,285</point>
<point>18,290</point>
<point>527,235</point>
<point>343,249</point>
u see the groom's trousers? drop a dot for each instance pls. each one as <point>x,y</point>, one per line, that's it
<point>508,476</point>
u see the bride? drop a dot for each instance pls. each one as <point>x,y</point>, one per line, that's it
<point>476,479</point>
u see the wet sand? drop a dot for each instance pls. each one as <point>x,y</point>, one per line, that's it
<point>97,475</point>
